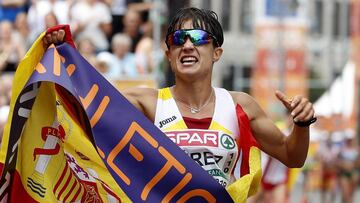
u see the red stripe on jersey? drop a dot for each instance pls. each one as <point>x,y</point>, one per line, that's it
<point>193,123</point>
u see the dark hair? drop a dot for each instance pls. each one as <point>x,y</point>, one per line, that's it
<point>201,19</point>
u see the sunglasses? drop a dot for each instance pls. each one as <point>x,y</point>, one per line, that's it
<point>196,36</point>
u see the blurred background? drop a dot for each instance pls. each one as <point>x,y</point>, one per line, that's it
<point>307,47</point>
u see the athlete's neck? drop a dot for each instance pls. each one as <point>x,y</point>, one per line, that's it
<point>192,95</point>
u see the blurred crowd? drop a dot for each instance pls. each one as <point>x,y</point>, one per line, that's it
<point>115,36</point>
<point>333,168</point>
<point>331,173</point>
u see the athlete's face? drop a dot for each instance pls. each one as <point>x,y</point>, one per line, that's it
<point>193,61</point>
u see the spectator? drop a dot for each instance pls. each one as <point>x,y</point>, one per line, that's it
<point>40,8</point>
<point>326,155</point>
<point>121,62</point>
<point>10,8</point>
<point>21,29</point>
<point>101,66</point>
<point>144,50</point>
<point>50,20</point>
<point>274,181</point>
<point>143,9</point>
<point>144,59</point>
<point>348,173</point>
<point>5,94</point>
<point>132,23</point>
<point>11,50</point>
<point>119,8</point>
<point>87,50</point>
<point>5,88</point>
<point>92,19</point>
<point>275,175</point>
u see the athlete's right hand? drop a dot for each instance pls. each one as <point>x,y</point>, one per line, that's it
<point>54,37</point>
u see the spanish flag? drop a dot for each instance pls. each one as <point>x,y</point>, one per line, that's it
<point>250,170</point>
<point>72,137</point>
<point>47,154</point>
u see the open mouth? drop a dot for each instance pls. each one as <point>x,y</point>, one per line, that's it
<point>188,60</point>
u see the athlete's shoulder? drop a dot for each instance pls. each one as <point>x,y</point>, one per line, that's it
<point>242,98</point>
<point>247,103</point>
<point>144,99</point>
<point>141,96</point>
<point>140,92</point>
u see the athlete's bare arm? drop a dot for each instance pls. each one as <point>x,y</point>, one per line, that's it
<point>144,99</point>
<point>290,150</point>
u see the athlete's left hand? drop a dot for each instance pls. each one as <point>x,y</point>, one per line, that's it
<point>300,108</point>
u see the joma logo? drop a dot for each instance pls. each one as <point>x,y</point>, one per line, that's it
<point>166,121</point>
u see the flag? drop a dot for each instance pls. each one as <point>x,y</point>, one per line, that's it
<point>72,137</point>
<point>250,171</point>
<point>48,167</point>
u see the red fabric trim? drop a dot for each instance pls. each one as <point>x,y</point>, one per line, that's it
<point>17,191</point>
<point>267,167</point>
<point>68,36</point>
<point>19,194</point>
<point>269,186</point>
<point>108,190</point>
<point>193,123</point>
<point>246,139</point>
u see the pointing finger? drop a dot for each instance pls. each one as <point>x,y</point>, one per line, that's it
<point>283,98</point>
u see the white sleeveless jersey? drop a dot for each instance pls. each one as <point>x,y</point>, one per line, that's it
<point>216,148</point>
